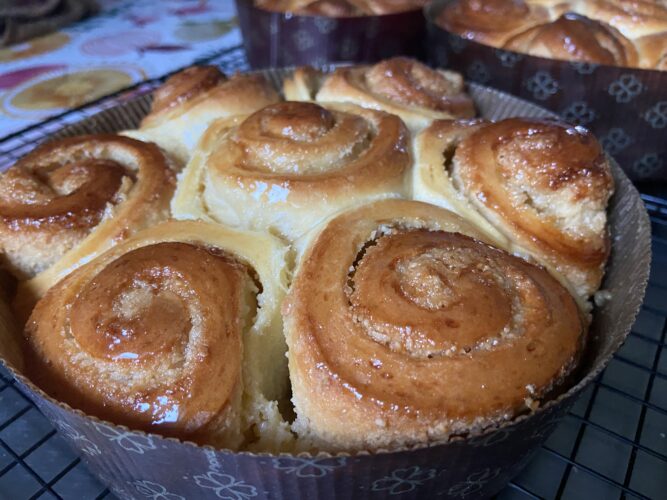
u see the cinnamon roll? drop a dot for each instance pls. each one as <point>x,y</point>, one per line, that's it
<point>71,199</point>
<point>403,326</point>
<point>491,22</point>
<point>189,101</point>
<point>289,165</point>
<point>543,186</point>
<point>576,38</point>
<point>176,330</point>
<point>633,18</point>
<point>401,86</point>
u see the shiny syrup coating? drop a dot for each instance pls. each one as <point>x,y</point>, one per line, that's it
<point>413,331</point>
<point>144,340</point>
<point>301,141</point>
<point>576,38</point>
<point>186,85</point>
<point>489,21</point>
<point>73,195</point>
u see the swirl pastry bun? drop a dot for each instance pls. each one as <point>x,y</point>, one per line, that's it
<point>491,22</point>
<point>189,101</point>
<point>176,330</point>
<point>288,166</point>
<point>576,38</point>
<point>401,86</point>
<point>633,18</point>
<point>541,186</point>
<point>71,199</point>
<point>403,326</point>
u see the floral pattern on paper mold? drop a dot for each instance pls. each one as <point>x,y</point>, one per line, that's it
<point>154,491</point>
<point>403,480</point>
<point>127,440</point>
<point>473,483</point>
<point>225,486</point>
<point>308,467</point>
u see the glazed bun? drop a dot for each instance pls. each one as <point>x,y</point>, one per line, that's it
<point>288,166</point>
<point>401,86</point>
<point>541,185</point>
<point>189,101</point>
<point>177,331</point>
<point>576,38</point>
<point>404,327</point>
<point>491,22</point>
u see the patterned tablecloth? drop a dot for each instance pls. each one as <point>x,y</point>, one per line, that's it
<point>127,42</point>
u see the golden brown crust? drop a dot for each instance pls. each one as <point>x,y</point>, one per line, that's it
<point>545,186</point>
<point>402,320</point>
<point>189,101</point>
<point>401,86</point>
<point>633,18</point>
<point>653,51</point>
<point>490,22</point>
<point>206,86</point>
<point>183,86</point>
<point>116,341</point>
<point>176,330</point>
<point>66,191</point>
<point>576,38</point>
<point>289,165</point>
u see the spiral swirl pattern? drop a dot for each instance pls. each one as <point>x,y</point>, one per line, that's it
<point>72,198</point>
<point>540,188</point>
<point>633,18</point>
<point>576,38</point>
<point>401,86</point>
<point>491,22</point>
<point>289,165</point>
<point>402,320</point>
<point>185,105</point>
<point>155,333</point>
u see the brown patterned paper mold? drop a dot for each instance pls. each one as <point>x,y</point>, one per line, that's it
<point>624,107</point>
<point>273,38</point>
<point>134,464</point>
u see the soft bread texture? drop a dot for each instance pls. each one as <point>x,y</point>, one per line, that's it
<point>628,33</point>
<point>542,186</point>
<point>491,22</point>
<point>576,38</point>
<point>185,105</point>
<point>653,51</point>
<point>290,165</point>
<point>633,18</point>
<point>192,344</point>
<point>401,86</point>
<point>340,8</point>
<point>404,326</point>
<point>71,199</point>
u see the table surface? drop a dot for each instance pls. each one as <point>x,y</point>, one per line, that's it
<point>612,445</point>
<point>127,42</point>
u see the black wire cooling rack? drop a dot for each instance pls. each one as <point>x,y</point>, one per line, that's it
<point>612,445</point>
